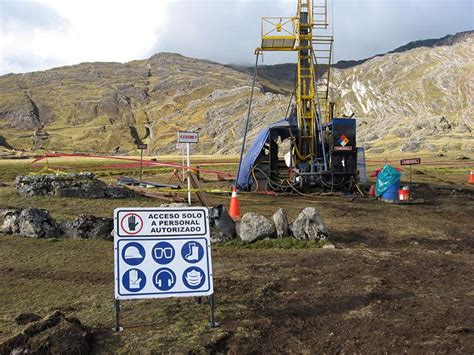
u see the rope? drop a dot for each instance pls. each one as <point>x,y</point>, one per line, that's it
<point>248,116</point>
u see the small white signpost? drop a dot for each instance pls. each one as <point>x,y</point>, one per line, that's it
<point>188,138</point>
<point>160,253</point>
<point>182,148</point>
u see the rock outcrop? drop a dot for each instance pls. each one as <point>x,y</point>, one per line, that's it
<point>309,225</point>
<point>82,185</point>
<point>90,227</point>
<point>280,219</point>
<point>222,225</point>
<point>35,223</point>
<point>253,227</point>
<point>30,222</point>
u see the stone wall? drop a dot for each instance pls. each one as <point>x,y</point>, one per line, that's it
<point>82,185</point>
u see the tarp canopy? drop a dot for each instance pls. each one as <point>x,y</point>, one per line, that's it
<point>277,129</point>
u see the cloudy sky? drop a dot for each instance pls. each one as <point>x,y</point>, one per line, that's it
<point>37,35</point>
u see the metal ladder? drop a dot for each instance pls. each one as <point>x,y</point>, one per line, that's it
<point>322,52</point>
<point>320,14</point>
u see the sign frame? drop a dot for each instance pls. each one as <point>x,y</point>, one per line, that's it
<point>410,162</point>
<point>141,147</point>
<point>134,233</point>
<point>188,137</point>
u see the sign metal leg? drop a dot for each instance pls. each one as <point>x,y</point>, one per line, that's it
<point>409,187</point>
<point>212,304</point>
<point>117,327</point>
<point>189,170</point>
<point>141,164</point>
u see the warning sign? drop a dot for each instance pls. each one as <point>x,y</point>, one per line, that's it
<point>162,252</point>
<point>162,222</point>
<point>412,161</point>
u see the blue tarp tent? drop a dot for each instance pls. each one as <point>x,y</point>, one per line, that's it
<point>277,129</point>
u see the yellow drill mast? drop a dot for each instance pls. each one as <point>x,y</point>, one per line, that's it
<point>314,57</point>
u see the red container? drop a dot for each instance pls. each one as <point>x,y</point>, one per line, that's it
<point>403,194</point>
<point>372,190</point>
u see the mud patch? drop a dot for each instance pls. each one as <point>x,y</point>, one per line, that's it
<point>54,334</point>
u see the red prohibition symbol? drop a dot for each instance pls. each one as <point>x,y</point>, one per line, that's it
<point>131,223</point>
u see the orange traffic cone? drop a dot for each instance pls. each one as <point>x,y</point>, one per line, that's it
<point>234,207</point>
<point>471,177</point>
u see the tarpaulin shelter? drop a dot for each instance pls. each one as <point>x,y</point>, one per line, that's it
<point>280,129</point>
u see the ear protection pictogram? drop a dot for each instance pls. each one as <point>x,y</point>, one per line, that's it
<point>169,280</point>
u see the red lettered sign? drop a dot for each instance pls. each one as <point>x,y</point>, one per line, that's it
<point>188,137</point>
<point>413,161</point>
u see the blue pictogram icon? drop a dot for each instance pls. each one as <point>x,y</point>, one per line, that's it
<point>133,253</point>
<point>164,279</point>
<point>194,277</point>
<point>163,253</point>
<point>134,280</point>
<point>192,252</point>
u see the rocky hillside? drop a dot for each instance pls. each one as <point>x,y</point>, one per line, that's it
<point>447,40</point>
<point>110,107</point>
<point>419,99</point>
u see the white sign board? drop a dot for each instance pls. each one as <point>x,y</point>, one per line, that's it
<point>162,252</point>
<point>180,146</point>
<point>188,137</point>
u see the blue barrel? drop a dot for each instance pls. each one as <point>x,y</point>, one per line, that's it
<point>392,192</point>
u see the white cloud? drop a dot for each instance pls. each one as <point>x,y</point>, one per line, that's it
<point>36,35</point>
<point>95,31</point>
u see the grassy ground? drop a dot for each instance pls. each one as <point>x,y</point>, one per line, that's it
<point>398,281</point>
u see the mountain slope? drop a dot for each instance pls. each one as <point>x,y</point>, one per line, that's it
<point>416,100</point>
<point>280,78</point>
<point>112,107</point>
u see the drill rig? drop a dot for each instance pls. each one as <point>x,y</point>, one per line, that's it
<point>322,149</point>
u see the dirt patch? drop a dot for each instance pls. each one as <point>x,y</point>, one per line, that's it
<point>398,281</point>
<point>54,334</point>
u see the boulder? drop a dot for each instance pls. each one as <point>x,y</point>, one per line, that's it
<point>10,221</point>
<point>222,225</point>
<point>119,192</point>
<point>89,227</point>
<point>254,227</point>
<point>35,223</point>
<point>280,219</point>
<point>92,189</point>
<point>309,225</point>
<point>65,228</point>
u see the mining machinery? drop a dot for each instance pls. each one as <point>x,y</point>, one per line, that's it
<point>322,152</point>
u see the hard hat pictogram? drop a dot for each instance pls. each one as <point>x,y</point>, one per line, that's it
<point>133,253</point>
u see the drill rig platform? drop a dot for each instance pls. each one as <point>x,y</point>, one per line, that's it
<point>322,151</point>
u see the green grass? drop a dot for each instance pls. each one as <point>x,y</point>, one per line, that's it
<point>281,243</point>
<point>75,276</point>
